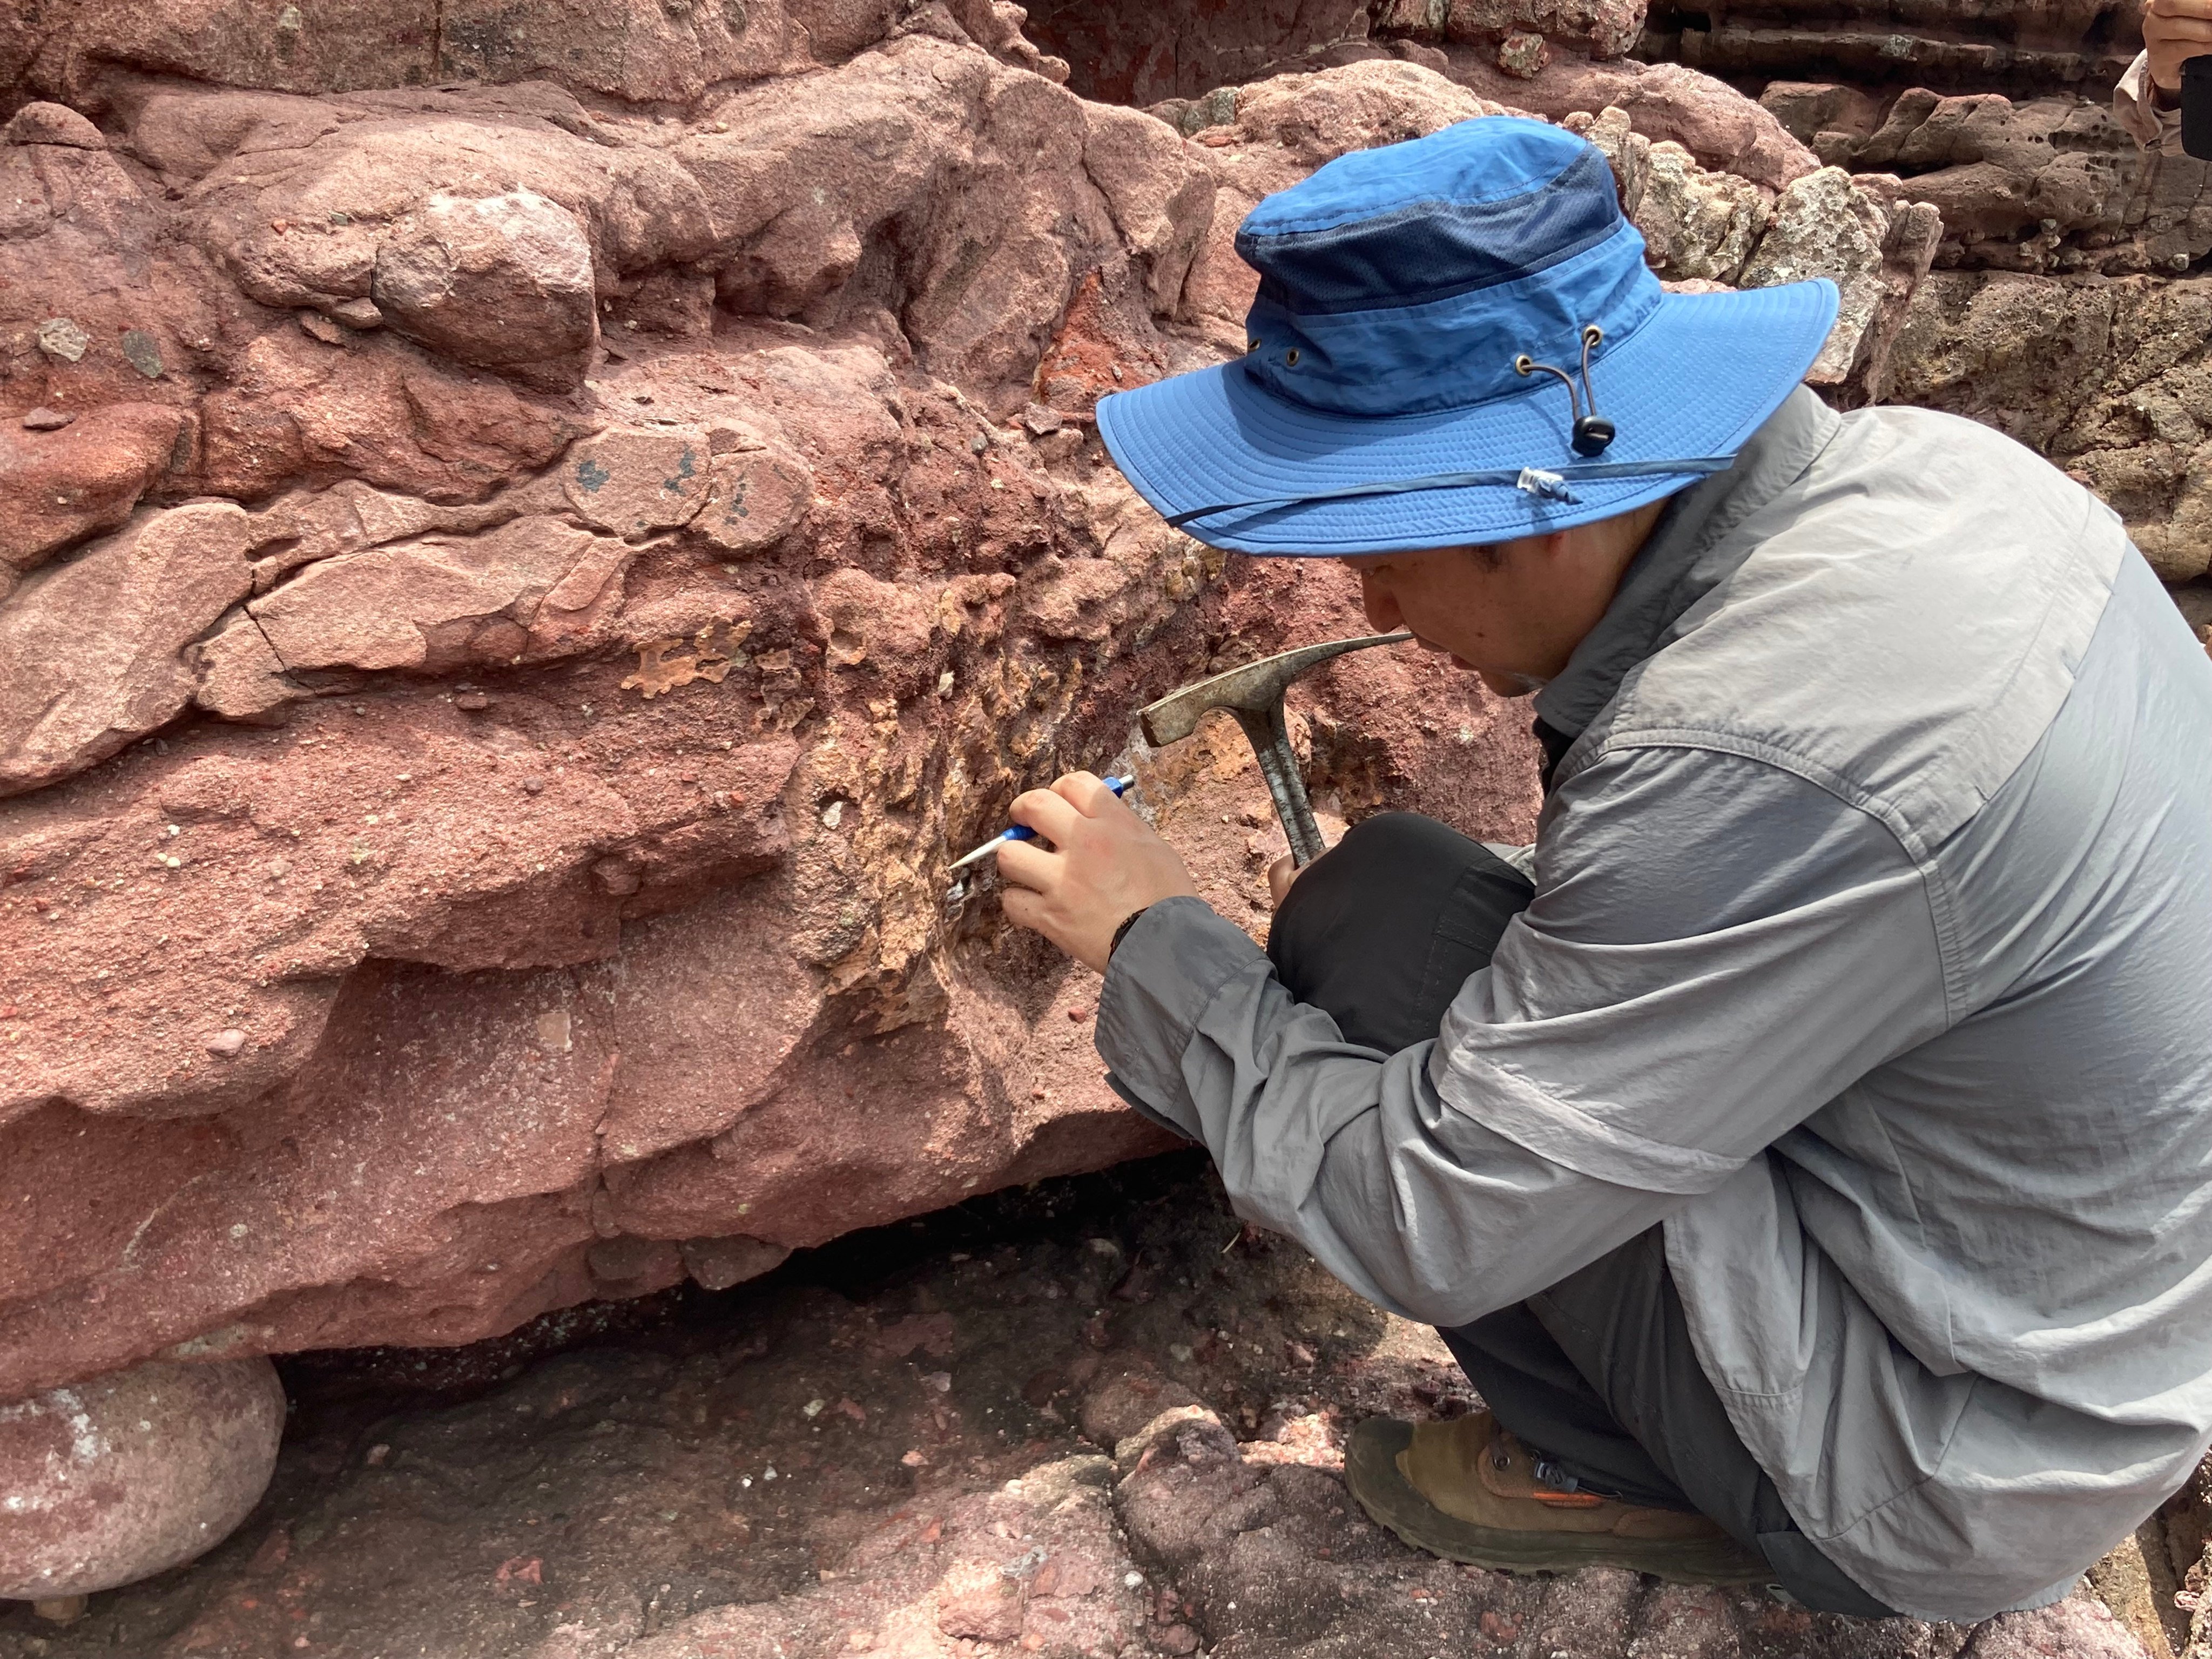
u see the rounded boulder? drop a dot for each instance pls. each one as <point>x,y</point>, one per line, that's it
<point>111,1480</point>
<point>501,282</point>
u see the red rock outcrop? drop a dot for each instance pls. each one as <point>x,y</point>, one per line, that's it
<point>530,539</point>
<point>512,604</point>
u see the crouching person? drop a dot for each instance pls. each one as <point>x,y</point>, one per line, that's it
<point>1806,1147</point>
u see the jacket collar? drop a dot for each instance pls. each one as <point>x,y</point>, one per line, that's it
<point>1687,555</point>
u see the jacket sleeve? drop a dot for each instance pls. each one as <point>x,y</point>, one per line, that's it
<point>2133,106</point>
<point>1716,948</point>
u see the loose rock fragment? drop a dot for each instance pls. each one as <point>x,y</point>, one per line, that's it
<point>130,1473</point>
<point>51,124</point>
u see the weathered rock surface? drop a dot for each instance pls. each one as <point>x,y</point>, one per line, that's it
<point>1979,46</point>
<point>640,51</point>
<point>528,536</point>
<point>2046,184</point>
<point>2111,378</point>
<point>1090,1418</point>
<point>131,1474</point>
<point>477,823</point>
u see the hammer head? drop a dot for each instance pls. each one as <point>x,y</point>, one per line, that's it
<point>1255,689</point>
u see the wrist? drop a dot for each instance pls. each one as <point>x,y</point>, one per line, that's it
<point>1122,932</point>
<point>2165,100</point>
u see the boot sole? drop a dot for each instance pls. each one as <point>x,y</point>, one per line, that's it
<point>1370,1469</point>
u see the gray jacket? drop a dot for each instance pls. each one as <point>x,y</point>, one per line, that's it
<point>1870,955</point>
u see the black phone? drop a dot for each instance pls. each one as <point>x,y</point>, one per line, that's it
<point>2196,107</point>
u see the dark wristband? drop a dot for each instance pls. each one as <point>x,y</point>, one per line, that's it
<point>1122,932</point>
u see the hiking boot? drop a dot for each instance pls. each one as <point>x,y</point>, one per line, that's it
<point>1468,1491</point>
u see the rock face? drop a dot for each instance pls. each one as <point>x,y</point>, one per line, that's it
<point>1982,46</point>
<point>511,608</point>
<point>2108,378</point>
<point>2046,184</point>
<point>529,534</point>
<point>119,1478</point>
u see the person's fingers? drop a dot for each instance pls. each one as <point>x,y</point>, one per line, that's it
<point>1051,816</point>
<point>2168,10</point>
<point>2182,31</point>
<point>1280,874</point>
<point>1086,791</point>
<point>1022,908</point>
<point>1025,863</point>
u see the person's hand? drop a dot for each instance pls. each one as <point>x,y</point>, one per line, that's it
<point>1104,864</point>
<point>2175,30</point>
<point>1280,874</point>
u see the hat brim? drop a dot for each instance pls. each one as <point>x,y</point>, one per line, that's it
<point>1698,378</point>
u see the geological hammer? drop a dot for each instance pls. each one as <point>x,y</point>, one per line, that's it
<point>1253,694</point>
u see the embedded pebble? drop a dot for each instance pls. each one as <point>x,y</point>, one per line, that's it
<point>357,313</point>
<point>60,337</point>
<point>47,420</point>
<point>142,352</point>
<point>227,1045</point>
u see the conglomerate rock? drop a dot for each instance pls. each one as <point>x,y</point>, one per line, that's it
<point>2111,378</point>
<point>516,603</point>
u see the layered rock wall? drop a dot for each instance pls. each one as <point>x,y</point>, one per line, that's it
<point>514,594</point>
<point>528,536</point>
<point>1963,45</point>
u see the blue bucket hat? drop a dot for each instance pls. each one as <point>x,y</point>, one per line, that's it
<point>1456,341</point>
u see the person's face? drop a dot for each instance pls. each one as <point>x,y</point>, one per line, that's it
<point>1513,612</point>
<point>1486,607</point>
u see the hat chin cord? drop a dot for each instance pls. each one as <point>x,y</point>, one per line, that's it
<point>1593,433</point>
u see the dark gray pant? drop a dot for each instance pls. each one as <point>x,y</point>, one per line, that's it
<point>1596,1374</point>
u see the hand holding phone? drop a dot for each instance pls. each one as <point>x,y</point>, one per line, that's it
<point>2196,107</point>
<point>2178,39</point>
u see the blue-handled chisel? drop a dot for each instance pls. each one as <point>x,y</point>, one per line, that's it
<point>1021,832</point>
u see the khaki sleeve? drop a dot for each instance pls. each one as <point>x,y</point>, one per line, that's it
<point>2135,107</point>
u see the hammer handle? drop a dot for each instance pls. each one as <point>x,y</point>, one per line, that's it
<point>1270,736</point>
